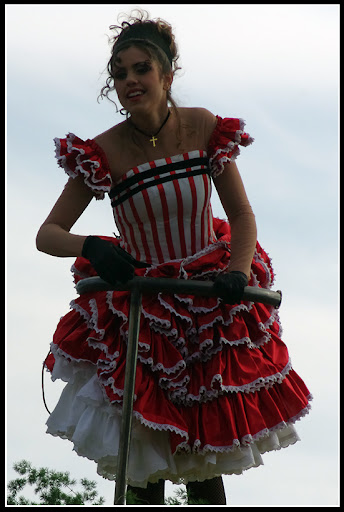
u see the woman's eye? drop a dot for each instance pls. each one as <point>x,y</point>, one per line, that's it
<point>120,75</point>
<point>140,69</point>
<point>143,68</point>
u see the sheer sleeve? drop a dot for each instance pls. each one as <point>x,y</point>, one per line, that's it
<point>223,150</point>
<point>224,142</point>
<point>86,159</point>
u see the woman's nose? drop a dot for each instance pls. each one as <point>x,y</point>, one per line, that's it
<point>131,78</point>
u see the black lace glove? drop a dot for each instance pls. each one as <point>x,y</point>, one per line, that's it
<point>111,263</point>
<point>230,286</point>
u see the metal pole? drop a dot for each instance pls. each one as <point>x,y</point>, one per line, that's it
<point>128,396</point>
<point>188,286</point>
<point>137,285</point>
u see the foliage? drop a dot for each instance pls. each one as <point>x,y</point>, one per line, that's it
<point>56,488</point>
<point>181,498</point>
<point>52,487</point>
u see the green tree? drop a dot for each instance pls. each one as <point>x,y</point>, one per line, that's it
<point>181,498</point>
<point>52,487</point>
<point>56,488</point>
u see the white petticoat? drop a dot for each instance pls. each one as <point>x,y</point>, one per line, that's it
<point>85,417</point>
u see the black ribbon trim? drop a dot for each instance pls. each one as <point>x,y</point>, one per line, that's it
<point>174,166</point>
<point>153,183</point>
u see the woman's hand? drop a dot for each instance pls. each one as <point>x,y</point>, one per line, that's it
<point>230,286</point>
<point>111,263</point>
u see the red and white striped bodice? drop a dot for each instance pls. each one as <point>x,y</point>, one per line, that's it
<point>162,208</point>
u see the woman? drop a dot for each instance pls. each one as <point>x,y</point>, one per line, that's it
<point>214,388</point>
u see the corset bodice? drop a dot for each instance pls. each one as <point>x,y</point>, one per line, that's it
<point>162,208</point>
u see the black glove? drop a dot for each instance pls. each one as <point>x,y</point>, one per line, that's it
<point>230,286</point>
<point>111,263</point>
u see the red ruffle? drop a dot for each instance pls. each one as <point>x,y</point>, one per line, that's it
<point>208,372</point>
<point>85,158</point>
<point>224,143</point>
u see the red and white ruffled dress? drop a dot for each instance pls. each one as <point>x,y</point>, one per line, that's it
<point>215,386</point>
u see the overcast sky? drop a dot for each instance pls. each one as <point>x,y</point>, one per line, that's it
<point>277,67</point>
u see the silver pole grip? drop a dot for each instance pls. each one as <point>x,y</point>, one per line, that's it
<point>187,286</point>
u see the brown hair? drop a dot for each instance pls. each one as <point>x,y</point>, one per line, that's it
<point>155,53</point>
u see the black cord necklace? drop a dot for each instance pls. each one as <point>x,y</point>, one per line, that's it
<point>153,137</point>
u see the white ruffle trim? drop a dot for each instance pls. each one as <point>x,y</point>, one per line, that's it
<point>217,166</point>
<point>90,178</point>
<point>207,349</point>
<point>85,417</point>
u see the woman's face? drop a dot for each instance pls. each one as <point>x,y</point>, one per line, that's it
<point>138,81</point>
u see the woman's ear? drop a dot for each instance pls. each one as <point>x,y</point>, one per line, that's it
<point>168,79</point>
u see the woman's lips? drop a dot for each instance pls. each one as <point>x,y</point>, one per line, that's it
<point>135,94</point>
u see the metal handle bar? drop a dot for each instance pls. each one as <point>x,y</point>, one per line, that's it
<point>137,286</point>
<point>183,286</point>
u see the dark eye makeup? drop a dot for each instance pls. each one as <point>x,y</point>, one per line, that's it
<point>140,68</point>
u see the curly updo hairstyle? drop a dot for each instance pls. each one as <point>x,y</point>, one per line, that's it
<point>153,51</point>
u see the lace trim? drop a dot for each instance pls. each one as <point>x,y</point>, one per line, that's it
<point>156,321</point>
<point>183,262</point>
<point>206,250</point>
<point>219,319</point>
<point>247,440</point>
<point>269,277</point>
<point>80,310</point>
<point>217,164</point>
<point>167,465</point>
<point>160,426</point>
<point>92,324</point>
<point>264,327</point>
<point>206,351</point>
<point>76,272</point>
<point>197,309</point>
<point>182,397</point>
<point>179,367</point>
<point>167,384</point>
<point>90,178</point>
<point>171,309</point>
<point>110,383</point>
<point>66,367</point>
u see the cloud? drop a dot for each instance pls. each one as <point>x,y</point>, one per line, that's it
<point>286,46</point>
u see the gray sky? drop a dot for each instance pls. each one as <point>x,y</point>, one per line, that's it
<point>276,66</point>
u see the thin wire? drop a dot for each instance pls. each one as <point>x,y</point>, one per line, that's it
<point>43,395</point>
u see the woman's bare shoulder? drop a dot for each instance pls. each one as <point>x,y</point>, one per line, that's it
<point>111,142</point>
<point>197,113</point>
<point>200,116</point>
<point>108,136</point>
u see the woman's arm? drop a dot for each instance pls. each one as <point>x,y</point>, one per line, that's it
<point>233,197</point>
<point>53,236</point>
